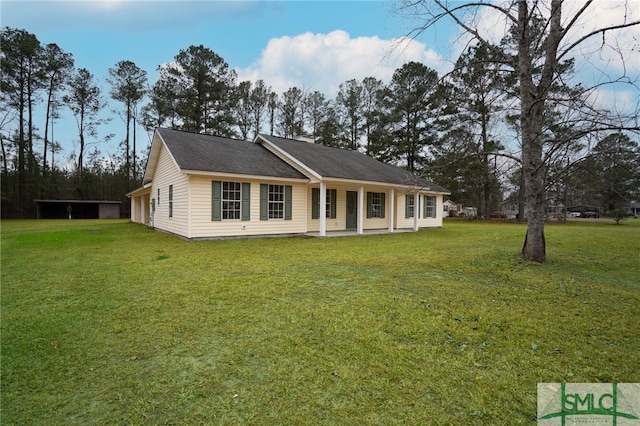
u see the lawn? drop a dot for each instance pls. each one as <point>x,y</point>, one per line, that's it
<point>108,322</point>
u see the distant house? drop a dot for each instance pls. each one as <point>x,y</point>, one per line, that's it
<point>634,208</point>
<point>199,187</point>
<point>451,209</point>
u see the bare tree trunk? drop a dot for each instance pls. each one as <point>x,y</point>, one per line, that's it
<point>81,150</point>
<point>135,164</point>
<point>521,217</point>
<point>127,149</point>
<point>486,186</point>
<point>5,171</point>
<point>530,120</point>
<point>46,133</point>
<point>531,115</point>
<point>21,156</point>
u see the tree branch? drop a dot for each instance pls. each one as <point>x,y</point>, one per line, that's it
<point>591,34</point>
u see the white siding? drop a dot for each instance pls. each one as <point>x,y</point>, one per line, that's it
<point>166,174</point>
<point>202,226</point>
<point>402,222</point>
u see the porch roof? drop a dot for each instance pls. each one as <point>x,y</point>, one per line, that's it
<point>330,162</point>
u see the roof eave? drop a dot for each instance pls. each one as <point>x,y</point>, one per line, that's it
<point>138,191</point>
<point>243,176</point>
<point>387,184</point>
<point>154,156</point>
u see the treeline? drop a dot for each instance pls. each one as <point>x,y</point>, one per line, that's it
<point>451,130</point>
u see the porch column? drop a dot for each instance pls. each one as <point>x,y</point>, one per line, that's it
<point>323,209</point>
<point>392,196</point>
<point>133,201</point>
<point>360,210</point>
<point>416,211</point>
<point>143,218</point>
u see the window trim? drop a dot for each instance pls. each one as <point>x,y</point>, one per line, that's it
<point>227,202</point>
<point>410,206</point>
<point>264,202</point>
<point>216,201</point>
<point>275,207</point>
<point>427,206</point>
<point>371,204</point>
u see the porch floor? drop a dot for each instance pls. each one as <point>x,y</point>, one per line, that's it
<point>354,233</point>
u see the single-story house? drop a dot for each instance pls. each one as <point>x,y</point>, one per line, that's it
<point>199,187</point>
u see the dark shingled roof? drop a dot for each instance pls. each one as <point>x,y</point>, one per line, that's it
<point>208,153</point>
<point>215,154</point>
<point>338,163</point>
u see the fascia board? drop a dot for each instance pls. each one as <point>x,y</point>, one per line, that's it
<point>154,156</point>
<point>425,189</point>
<point>242,176</point>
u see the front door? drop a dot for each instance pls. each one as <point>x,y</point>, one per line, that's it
<point>352,209</point>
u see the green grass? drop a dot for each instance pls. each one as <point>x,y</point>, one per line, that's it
<point>108,322</point>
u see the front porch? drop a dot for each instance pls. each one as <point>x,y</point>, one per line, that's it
<point>354,233</point>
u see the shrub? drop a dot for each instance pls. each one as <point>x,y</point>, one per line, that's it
<point>618,215</point>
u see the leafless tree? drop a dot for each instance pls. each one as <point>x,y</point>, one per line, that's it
<point>544,39</point>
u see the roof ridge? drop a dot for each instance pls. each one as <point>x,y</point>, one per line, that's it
<point>202,134</point>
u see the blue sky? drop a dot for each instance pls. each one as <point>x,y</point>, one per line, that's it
<point>314,45</point>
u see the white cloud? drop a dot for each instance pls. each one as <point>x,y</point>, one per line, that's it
<point>598,60</point>
<point>323,61</point>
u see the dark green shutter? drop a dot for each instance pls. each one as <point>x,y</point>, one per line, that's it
<point>369,206</point>
<point>216,200</point>
<point>315,203</point>
<point>416,207</point>
<point>406,206</point>
<point>334,201</point>
<point>288,190</point>
<point>246,201</point>
<point>264,201</point>
<point>382,204</point>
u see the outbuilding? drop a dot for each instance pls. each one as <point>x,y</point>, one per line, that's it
<point>77,209</point>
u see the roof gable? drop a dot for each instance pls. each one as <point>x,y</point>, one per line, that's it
<point>337,163</point>
<point>205,153</point>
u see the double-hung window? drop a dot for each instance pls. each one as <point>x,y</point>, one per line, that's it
<point>231,200</point>
<point>330,207</point>
<point>429,206</point>
<point>375,204</point>
<point>276,202</point>
<point>409,209</point>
